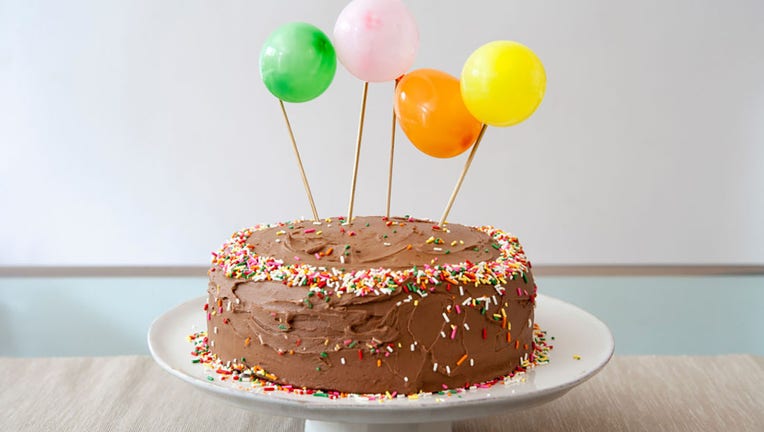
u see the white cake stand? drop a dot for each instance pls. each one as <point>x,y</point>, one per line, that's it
<point>583,345</point>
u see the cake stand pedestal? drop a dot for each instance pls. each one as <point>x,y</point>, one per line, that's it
<point>320,426</point>
<point>582,346</point>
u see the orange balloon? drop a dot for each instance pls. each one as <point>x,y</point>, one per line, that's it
<point>430,110</point>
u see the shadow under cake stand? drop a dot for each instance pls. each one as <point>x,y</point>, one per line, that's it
<point>582,347</point>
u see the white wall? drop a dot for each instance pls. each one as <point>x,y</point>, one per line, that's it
<point>139,132</point>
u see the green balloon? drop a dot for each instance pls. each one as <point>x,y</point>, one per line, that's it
<point>297,62</point>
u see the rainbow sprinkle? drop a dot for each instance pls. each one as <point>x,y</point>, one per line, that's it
<point>236,259</point>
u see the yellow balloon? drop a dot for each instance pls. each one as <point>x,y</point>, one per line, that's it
<point>503,83</point>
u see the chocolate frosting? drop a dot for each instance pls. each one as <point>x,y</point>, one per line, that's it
<point>369,242</point>
<point>421,335</point>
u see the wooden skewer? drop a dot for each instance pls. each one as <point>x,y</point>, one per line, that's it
<point>461,177</point>
<point>299,162</point>
<point>357,152</point>
<point>390,172</point>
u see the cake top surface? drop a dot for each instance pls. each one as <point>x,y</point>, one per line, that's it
<point>373,254</point>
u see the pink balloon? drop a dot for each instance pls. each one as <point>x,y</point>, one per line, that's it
<point>376,40</point>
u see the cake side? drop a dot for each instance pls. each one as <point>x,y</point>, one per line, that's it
<point>303,301</point>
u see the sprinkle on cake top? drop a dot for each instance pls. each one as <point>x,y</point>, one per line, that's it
<point>374,255</point>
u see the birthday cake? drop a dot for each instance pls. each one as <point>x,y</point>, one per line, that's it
<point>376,304</point>
<point>373,306</point>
